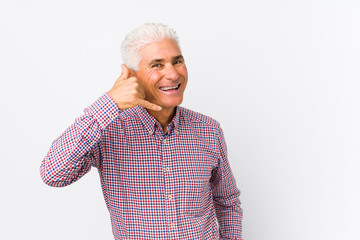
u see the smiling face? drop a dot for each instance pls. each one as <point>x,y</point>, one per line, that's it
<point>162,73</point>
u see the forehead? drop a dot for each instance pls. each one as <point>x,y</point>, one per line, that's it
<point>165,49</point>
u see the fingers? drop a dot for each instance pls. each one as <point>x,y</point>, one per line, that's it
<point>128,92</point>
<point>149,105</point>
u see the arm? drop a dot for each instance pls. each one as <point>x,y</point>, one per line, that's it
<point>226,196</point>
<point>77,149</point>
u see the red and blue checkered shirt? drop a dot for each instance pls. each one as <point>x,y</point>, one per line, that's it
<point>177,185</point>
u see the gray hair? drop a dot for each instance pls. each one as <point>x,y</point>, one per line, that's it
<point>142,36</point>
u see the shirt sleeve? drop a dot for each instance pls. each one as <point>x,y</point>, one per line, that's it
<point>78,148</point>
<point>226,196</point>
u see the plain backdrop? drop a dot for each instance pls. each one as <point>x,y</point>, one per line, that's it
<point>281,76</point>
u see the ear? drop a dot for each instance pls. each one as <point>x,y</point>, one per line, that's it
<point>131,73</point>
<point>127,72</point>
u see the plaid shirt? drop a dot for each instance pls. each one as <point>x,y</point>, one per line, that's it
<point>177,185</point>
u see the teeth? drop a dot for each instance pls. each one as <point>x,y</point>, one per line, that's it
<point>169,88</point>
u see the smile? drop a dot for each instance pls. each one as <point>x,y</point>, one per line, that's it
<point>170,88</point>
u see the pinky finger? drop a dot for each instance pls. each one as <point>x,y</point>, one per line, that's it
<point>149,105</point>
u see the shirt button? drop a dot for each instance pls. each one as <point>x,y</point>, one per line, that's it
<point>167,169</point>
<point>111,116</point>
<point>172,225</point>
<point>177,132</point>
<point>164,141</point>
<point>169,197</point>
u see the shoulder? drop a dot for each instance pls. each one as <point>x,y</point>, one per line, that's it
<point>128,113</point>
<point>124,119</point>
<point>195,118</point>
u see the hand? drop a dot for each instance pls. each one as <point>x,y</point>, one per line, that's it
<point>127,92</point>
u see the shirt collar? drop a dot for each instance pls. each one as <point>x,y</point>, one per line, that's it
<point>150,123</point>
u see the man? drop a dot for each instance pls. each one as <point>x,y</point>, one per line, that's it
<point>163,168</point>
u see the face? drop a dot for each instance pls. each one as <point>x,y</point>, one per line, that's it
<point>162,73</point>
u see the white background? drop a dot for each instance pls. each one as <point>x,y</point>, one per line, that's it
<point>282,77</point>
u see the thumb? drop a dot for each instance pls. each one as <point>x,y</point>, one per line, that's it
<point>125,71</point>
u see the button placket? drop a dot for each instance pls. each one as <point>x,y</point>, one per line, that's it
<point>169,186</point>
<point>112,116</point>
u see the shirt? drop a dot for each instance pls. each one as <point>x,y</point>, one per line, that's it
<point>177,185</point>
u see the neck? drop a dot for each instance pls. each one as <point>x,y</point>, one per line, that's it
<point>164,116</point>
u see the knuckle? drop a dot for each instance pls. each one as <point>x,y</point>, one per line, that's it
<point>136,85</point>
<point>132,79</point>
<point>132,98</point>
<point>134,93</point>
<point>147,104</point>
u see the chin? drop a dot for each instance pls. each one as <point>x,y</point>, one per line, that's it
<point>171,104</point>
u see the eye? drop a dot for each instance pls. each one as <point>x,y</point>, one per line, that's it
<point>179,61</point>
<point>157,65</point>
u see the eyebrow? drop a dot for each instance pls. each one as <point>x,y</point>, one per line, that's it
<point>162,59</point>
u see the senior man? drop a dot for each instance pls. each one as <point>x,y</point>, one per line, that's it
<point>163,168</point>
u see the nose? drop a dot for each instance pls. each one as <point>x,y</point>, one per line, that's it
<point>171,72</point>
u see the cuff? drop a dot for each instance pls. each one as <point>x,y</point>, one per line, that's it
<point>104,110</point>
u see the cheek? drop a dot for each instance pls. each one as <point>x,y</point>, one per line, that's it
<point>183,72</point>
<point>146,79</point>
<point>153,77</point>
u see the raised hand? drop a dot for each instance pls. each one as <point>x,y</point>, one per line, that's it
<point>127,92</point>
